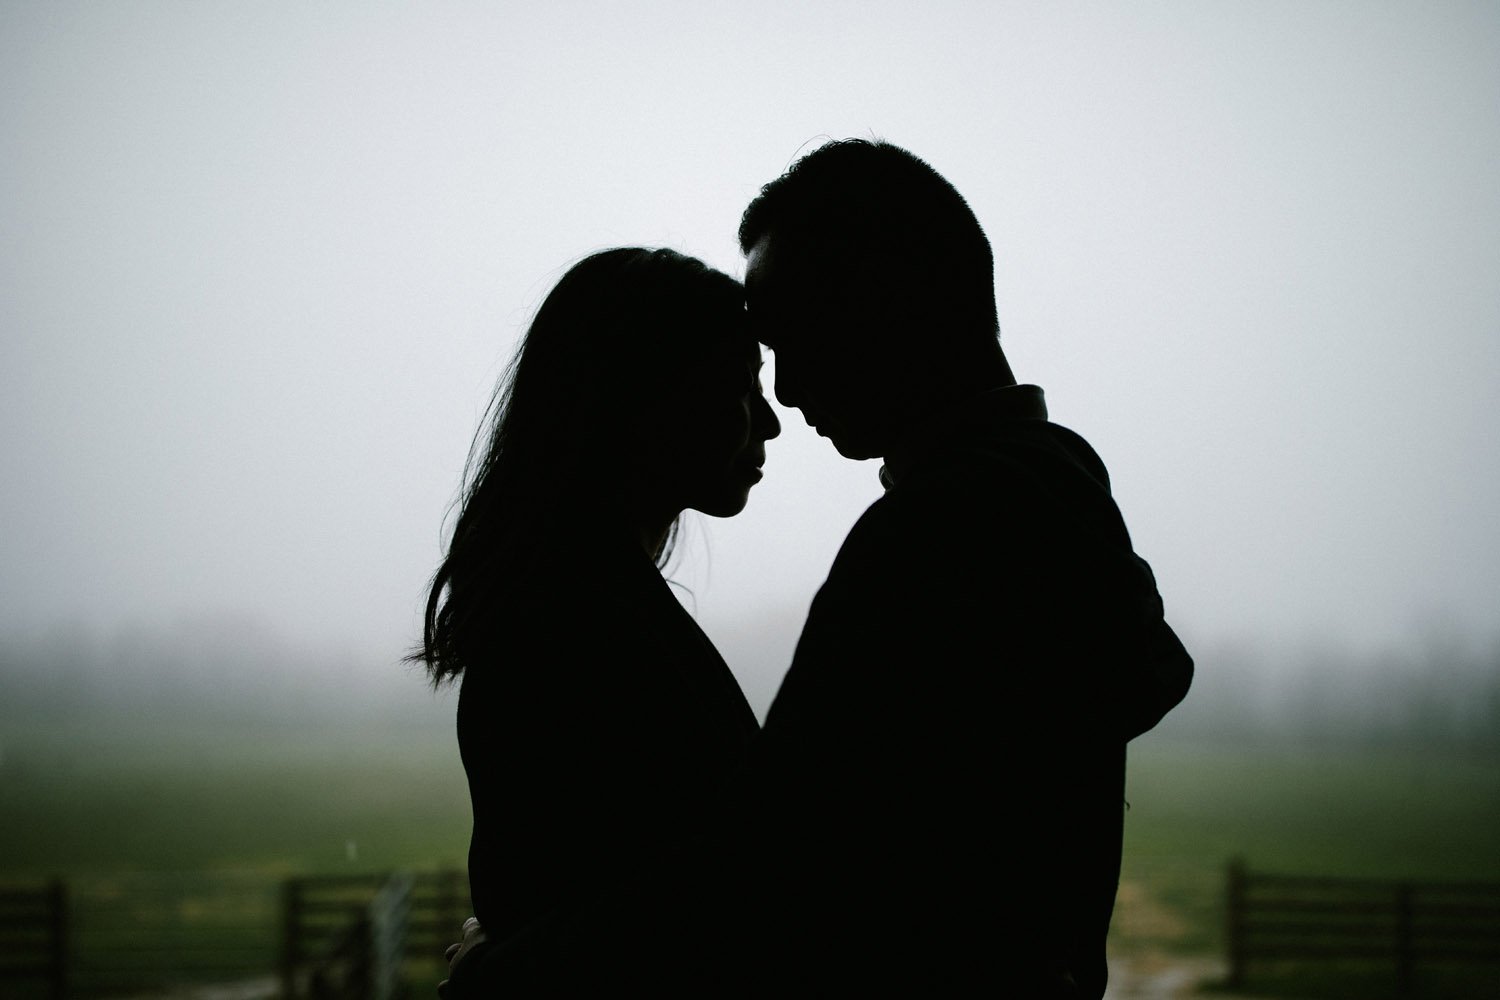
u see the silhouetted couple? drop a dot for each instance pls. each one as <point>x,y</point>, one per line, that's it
<point>935,803</point>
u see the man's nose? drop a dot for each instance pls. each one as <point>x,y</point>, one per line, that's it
<point>766,424</point>
<point>787,393</point>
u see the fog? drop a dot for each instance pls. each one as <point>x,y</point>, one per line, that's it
<point>261,265</point>
<point>201,677</point>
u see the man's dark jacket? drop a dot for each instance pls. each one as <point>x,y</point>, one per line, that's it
<point>943,770</point>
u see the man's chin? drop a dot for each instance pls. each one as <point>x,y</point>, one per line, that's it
<point>849,447</point>
<point>855,450</point>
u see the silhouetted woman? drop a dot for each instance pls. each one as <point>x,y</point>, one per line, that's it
<point>595,719</point>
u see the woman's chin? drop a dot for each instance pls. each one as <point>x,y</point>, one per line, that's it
<point>726,505</point>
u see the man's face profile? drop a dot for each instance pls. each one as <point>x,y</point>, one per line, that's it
<point>821,369</point>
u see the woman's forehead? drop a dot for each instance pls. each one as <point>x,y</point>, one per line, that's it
<point>735,355</point>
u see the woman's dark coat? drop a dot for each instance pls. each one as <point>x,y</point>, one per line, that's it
<point>598,735</point>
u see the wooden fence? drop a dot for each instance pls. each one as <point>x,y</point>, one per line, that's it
<point>144,932</point>
<point>1403,925</point>
<point>363,960</point>
<point>348,936</point>
<point>338,936</point>
<point>34,940</point>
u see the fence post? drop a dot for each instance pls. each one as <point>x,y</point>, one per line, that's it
<point>387,919</point>
<point>291,929</point>
<point>447,903</point>
<point>362,980</point>
<point>1404,957</point>
<point>58,903</point>
<point>1235,922</point>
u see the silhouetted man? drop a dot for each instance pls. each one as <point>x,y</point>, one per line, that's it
<point>943,769</point>
<point>935,802</point>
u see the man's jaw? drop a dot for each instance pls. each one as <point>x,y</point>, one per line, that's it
<point>839,441</point>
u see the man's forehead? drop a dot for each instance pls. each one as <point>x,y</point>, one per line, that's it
<point>777,266</point>
<point>757,262</point>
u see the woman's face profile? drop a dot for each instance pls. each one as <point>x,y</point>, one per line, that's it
<point>708,433</point>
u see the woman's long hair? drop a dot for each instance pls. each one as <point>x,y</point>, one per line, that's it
<point>614,332</point>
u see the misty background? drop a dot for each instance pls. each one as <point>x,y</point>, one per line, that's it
<point>260,266</point>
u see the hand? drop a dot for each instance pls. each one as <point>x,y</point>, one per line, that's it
<point>473,937</point>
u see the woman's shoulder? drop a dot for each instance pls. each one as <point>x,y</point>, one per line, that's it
<point>570,641</point>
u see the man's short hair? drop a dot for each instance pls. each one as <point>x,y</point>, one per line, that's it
<point>886,219</point>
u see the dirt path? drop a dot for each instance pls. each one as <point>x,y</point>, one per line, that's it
<point>1164,977</point>
<point>259,988</point>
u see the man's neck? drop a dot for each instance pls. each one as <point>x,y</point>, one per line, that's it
<point>959,420</point>
<point>975,377</point>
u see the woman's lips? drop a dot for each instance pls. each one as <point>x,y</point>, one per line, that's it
<point>750,468</point>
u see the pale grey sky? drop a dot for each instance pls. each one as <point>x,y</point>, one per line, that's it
<point>261,264</point>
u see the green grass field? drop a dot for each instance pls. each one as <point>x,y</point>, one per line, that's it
<point>125,818</point>
<point>1388,814</point>
<point>174,845</point>
<point>271,802</point>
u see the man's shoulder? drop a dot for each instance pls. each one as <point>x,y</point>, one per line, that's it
<point>1025,492</point>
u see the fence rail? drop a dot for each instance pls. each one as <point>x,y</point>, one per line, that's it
<point>135,933</point>
<point>34,937</point>
<point>1275,917</point>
